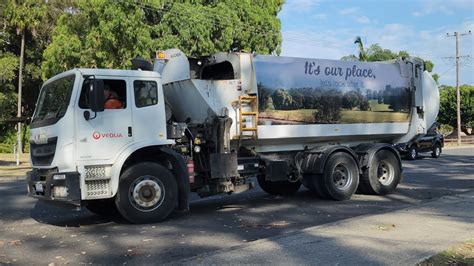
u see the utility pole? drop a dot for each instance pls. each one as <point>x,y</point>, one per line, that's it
<point>458,93</point>
<point>19,145</point>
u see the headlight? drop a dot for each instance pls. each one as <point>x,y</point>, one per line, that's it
<point>197,149</point>
<point>59,177</point>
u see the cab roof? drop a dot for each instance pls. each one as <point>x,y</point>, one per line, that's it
<point>106,72</point>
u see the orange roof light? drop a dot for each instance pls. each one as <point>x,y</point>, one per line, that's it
<point>160,55</point>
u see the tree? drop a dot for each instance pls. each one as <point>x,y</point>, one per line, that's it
<point>447,109</point>
<point>26,16</point>
<point>376,53</point>
<point>350,100</point>
<point>362,51</point>
<point>282,100</point>
<point>107,34</point>
<point>329,110</point>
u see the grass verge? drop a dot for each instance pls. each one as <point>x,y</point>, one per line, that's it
<point>8,167</point>
<point>462,254</point>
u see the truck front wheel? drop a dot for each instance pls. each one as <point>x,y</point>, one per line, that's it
<point>340,178</point>
<point>148,192</point>
<point>383,175</point>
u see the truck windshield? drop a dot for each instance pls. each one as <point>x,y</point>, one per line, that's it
<point>53,101</point>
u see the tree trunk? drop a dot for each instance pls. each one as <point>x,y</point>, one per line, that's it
<point>19,146</point>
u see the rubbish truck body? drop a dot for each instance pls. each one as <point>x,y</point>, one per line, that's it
<point>211,125</point>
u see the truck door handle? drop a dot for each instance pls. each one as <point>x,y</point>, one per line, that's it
<point>129,131</point>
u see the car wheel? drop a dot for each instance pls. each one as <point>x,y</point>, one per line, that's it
<point>412,153</point>
<point>436,152</point>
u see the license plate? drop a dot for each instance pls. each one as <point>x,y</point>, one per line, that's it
<point>39,187</point>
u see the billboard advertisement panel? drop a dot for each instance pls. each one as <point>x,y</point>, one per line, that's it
<point>314,91</point>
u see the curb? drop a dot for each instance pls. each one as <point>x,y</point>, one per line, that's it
<point>458,147</point>
<point>12,178</point>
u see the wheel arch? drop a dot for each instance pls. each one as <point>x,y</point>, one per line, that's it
<point>169,159</point>
<point>367,151</point>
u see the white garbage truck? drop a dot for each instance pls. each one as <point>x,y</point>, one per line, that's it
<point>140,141</point>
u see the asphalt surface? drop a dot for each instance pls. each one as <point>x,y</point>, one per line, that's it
<point>33,232</point>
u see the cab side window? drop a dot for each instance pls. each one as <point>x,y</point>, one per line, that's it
<point>146,93</point>
<point>115,94</point>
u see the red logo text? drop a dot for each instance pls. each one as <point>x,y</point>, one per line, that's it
<point>98,135</point>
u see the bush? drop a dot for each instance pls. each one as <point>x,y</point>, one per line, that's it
<point>445,129</point>
<point>8,140</point>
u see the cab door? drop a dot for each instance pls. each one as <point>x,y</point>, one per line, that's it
<point>148,111</point>
<point>106,133</point>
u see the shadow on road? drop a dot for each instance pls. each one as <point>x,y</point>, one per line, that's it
<point>221,222</point>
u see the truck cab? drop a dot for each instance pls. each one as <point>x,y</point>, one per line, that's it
<point>78,145</point>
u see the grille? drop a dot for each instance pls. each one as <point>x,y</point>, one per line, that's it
<point>43,154</point>
<point>97,188</point>
<point>95,172</point>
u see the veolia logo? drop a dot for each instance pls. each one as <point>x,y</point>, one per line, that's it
<point>98,135</point>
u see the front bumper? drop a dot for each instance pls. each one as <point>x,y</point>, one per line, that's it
<point>41,185</point>
<point>402,148</point>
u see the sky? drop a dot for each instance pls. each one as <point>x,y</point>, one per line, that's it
<point>326,29</point>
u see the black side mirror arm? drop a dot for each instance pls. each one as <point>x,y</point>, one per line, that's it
<point>87,115</point>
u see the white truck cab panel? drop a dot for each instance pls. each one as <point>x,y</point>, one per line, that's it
<point>96,148</point>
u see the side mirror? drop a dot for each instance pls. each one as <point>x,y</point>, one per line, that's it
<point>96,95</point>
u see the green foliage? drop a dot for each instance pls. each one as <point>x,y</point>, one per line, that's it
<point>282,100</point>
<point>447,110</point>
<point>351,99</point>
<point>376,53</point>
<point>8,67</point>
<point>330,109</point>
<point>107,34</point>
<point>446,129</point>
<point>8,140</point>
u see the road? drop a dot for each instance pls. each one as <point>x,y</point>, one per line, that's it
<point>33,232</point>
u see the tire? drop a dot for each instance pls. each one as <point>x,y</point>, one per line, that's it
<point>282,188</point>
<point>103,207</point>
<point>313,183</point>
<point>340,178</point>
<point>383,174</point>
<point>148,192</point>
<point>412,153</point>
<point>436,152</point>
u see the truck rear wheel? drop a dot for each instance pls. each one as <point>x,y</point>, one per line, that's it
<point>282,188</point>
<point>340,178</point>
<point>383,175</point>
<point>148,192</point>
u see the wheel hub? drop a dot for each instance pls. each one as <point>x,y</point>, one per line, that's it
<point>147,193</point>
<point>342,177</point>
<point>385,173</point>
